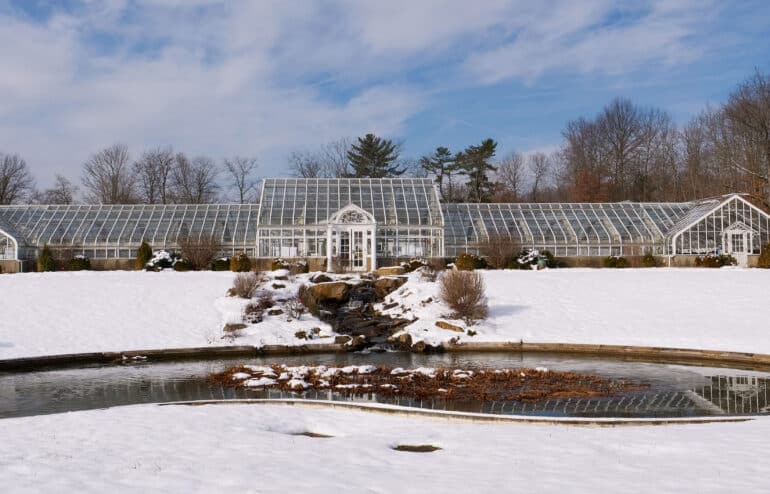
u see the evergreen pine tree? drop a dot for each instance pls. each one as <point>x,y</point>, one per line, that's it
<point>442,165</point>
<point>46,261</point>
<point>374,157</point>
<point>475,163</point>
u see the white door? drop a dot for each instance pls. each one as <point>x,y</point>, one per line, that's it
<point>738,246</point>
<point>357,250</point>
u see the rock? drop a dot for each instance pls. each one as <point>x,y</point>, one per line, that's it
<point>278,286</point>
<point>232,328</point>
<point>450,327</point>
<point>231,292</point>
<point>335,292</point>
<point>274,312</point>
<point>342,340</point>
<point>390,271</point>
<point>358,341</point>
<point>385,286</point>
<point>389,306</point>
<point>281,277</point>
<point>419,347</point>
<point>321,278</point>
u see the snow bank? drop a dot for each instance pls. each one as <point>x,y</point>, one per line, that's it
<point>243,448</point>
<point>90,311</point>
<point>715,309</point>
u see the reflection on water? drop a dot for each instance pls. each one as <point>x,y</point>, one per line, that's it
<point>674,391</point>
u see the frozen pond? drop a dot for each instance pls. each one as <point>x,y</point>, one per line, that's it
<point>674,390</point>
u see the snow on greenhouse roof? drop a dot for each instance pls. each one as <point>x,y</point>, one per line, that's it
<point>392,201</point>
<point>118,225</point>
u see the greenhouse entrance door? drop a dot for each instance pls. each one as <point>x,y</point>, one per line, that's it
<point>351,240</point>
<point>737,243</point>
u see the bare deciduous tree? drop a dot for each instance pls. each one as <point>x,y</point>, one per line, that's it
<point>16,182</point>
<point>331,161</point>
<point>200,250</point>
<point>510,177</point>
<point>194,181</point>
<point>748,112</point>
<point>153,174</point>
<point>499,250</point>
<point>107,176</point>
<point>539,167</point>
<point>62,192</point>
<point>242,175</point>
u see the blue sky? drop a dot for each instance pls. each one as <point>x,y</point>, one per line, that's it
<point>267,78</point>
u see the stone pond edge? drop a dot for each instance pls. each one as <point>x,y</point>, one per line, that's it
<point>756,361</point>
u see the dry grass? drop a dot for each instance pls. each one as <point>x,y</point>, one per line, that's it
<point>464,293</point>
<point>246,284</point>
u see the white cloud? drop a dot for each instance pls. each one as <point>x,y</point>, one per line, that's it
<point>243,77</point>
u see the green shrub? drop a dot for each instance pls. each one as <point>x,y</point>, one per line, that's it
<point>79,263</point>
<point>221,264</point>
<point>764,257</point>
<point>468,262</point>
<point>532,258</point>
<point>615,262</point>
<point>240,263</point>
<point>715,261</point>
<point>182,265</point>
<point>46,261</point>
<point>143,256</point>
<point>649,261</point>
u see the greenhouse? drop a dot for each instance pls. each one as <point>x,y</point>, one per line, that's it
<point>359,224</point>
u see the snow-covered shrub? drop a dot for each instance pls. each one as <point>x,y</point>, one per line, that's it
<point>245,284</point>
<point>413,264</point>
<point>615,262</point>
<point>240,263</point>
<point>79,263</point>
<point>649,261</point>
<point>715,261</point>
<point>764,257</point>
<point>534,259</point>
<point>162,260</point>
<point>183,265</point>
<point>295,267</point>
<point>221,264</point>
<point>143,256</point>
<point>46,261</point>
<point>468,262</point>
<point>464,293</point>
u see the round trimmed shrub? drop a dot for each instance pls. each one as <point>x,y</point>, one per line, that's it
<point>182,265</point>
<point>468,262</point>
<point>616,262</point>
<point>79,263</point>
<point>221,264</point>
<point>240,263</point>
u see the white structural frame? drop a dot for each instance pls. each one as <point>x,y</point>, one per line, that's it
<point>12,240</point>
<point>360,229</point>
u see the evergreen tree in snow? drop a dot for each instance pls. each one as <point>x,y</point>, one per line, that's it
<point>441,164</point>
<point>474,162</point>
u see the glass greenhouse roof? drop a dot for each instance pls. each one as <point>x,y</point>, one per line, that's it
<point>392,201</point>
<point>562,223</point>
<point>118,225</point>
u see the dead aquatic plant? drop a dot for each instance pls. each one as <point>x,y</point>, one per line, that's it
<point>527,385</point>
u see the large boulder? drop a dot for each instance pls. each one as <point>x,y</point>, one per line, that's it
<point>384,286</point>
<point>390,271</point>
<point>316,297</point>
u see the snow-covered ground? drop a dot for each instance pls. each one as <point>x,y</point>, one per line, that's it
<point>719,309</point>
<point>254,448</point>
